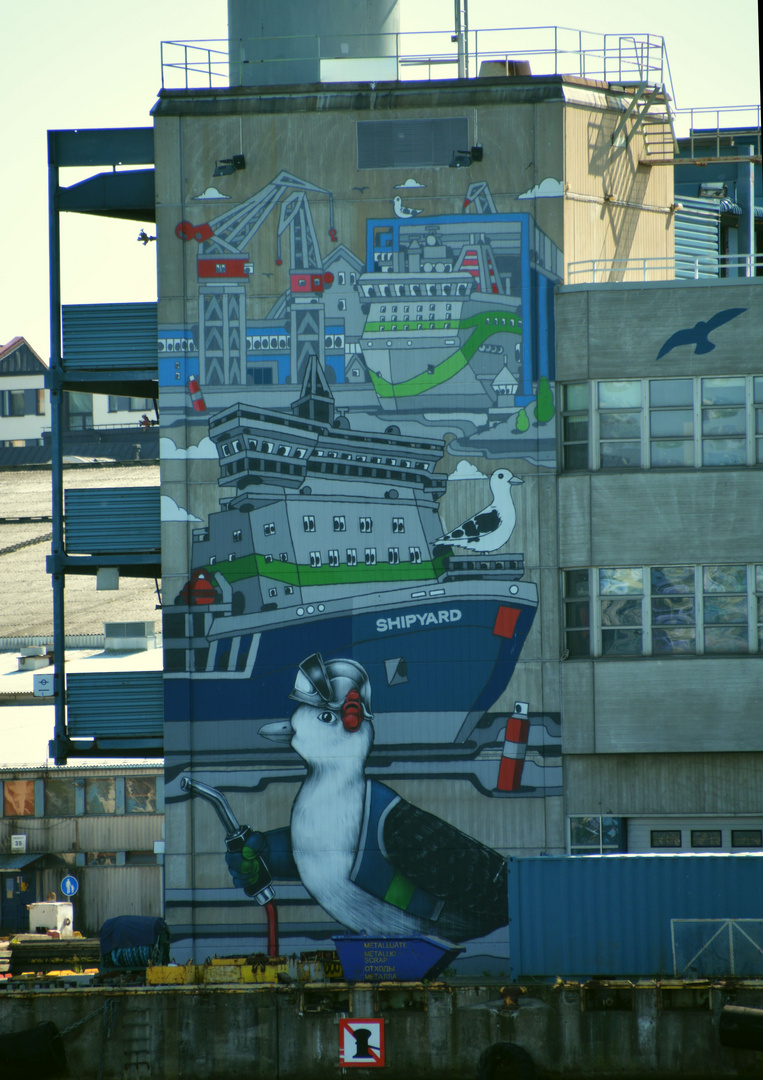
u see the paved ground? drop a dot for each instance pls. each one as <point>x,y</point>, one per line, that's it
<point>26,604</point>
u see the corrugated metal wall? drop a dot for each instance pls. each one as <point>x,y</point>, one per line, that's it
<point>107,336</point>
<point>697,238</point>
<point>112,520</point>
<point>127,704</point>
<point>107,891</point>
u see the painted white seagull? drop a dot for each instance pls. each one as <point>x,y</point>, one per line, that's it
<point>375,863</point>
<point>492,527</point>
<point>404,211</point>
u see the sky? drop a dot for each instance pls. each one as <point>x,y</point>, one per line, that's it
<point>89,64</point>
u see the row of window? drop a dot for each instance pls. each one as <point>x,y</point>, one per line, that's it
<point>351,556</point>
<point>663,423</point>
<point>28,402</point>
<point>600,834</point>
<point>129,404</point>
<point>266,446</point>
<point>664,610</point>
<point>68,797</point>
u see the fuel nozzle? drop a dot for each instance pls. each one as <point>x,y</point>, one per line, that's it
<point>236,835</point>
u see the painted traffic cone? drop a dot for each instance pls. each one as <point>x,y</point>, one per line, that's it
<point>196,395</point>
<point>514,747</point>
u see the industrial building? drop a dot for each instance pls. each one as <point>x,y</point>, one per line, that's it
<point>461,408</point>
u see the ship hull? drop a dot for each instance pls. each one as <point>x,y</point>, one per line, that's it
<point>436,667</point>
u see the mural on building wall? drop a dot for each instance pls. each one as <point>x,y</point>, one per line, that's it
<point>361,542</point>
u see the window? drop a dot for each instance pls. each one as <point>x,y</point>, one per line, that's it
<point>352,556</point>
<point>268,528</point>
<point>393,556</point>
<point>663,423</point>
<point>101,858</point>
<point>398,525</point>
<point>746,838</point>
<point>237,535</point>
<point>706,838</point>
<point>665,838</point>
<point>366,523</point>
<point>716,608</point>
<point>414,554</point>
<point>370,557</point>
<point>129,404</point>
<point>18,798</point>
<point>140,795</point>
<point>340,524</point>
<point>60,798</point>
<point>272,592</point>
<point>315,558</point>
<point>100,796</point>
<point>595,834</point>
<point>308,523</point>
<point>333,557</point>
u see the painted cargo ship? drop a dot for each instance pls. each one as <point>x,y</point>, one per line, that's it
<point>330,544</point>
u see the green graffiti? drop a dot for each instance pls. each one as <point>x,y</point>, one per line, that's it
<point>485,325</point>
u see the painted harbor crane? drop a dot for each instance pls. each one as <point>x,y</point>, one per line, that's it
<point>224,265</point>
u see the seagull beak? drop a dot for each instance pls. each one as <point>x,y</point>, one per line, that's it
<point>516,480</point>
<point>279,732</point>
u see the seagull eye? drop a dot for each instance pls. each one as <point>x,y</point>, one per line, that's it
<point>326,717</point>
<point>501,475</point>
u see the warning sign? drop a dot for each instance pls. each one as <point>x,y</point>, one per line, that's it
<point>361,1042</point>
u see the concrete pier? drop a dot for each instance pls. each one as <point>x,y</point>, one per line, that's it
<point>571,1030</point>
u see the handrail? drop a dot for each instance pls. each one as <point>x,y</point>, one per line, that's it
<point>552,50</point>
<point>658,268</point>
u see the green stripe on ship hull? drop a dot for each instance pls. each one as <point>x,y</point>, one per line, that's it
<point>454,363</point>
<point>288,573</point>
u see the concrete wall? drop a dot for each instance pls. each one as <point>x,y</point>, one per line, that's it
<point>569,1031</point>
<point>617,331</point>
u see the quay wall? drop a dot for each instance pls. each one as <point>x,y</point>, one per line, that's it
<point>571,1030</point>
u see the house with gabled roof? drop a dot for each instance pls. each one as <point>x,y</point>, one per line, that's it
<point>23,399</point>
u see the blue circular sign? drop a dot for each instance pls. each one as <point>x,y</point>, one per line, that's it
<point>69,885</point>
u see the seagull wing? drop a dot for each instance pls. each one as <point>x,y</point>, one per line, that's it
<point>723,317</point>
<point>446,863</point>
<point>473,528</point>
<point>681,337</point>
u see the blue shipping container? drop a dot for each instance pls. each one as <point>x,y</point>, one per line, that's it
<point>636,916</point>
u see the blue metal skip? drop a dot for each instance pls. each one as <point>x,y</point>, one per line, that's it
<point>109,337</point>
<point>101,521</point>
<point>614,915</point>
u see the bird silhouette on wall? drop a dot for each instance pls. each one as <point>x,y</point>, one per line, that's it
<point>492,527</point>
<point>374,862</point>
<point>697,335</point>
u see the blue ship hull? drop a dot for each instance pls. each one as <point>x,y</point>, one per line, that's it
<point>436,667</point>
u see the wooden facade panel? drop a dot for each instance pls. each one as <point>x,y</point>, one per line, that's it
<point>678,706</point>
<point>578,735</point>
<point>672,518</point>
<point>572,349</point>
<point>704,783</point>
<point>575,521</point>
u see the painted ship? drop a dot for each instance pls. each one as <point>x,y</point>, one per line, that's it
<point>328,544</point>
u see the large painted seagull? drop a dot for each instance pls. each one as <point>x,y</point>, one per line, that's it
<point>492,527</point>
<point>374,862</point>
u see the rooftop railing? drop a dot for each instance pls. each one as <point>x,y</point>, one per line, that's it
<point>549,50</point>
<point>612,271</point>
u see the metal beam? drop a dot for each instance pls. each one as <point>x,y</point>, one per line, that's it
<point>101,146</point>
<point>128,194</point>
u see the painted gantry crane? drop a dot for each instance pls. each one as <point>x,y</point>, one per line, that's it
<point>224,266</point>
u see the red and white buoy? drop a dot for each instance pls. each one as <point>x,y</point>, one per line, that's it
<point>514,748</point>
<point>197,397</point>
